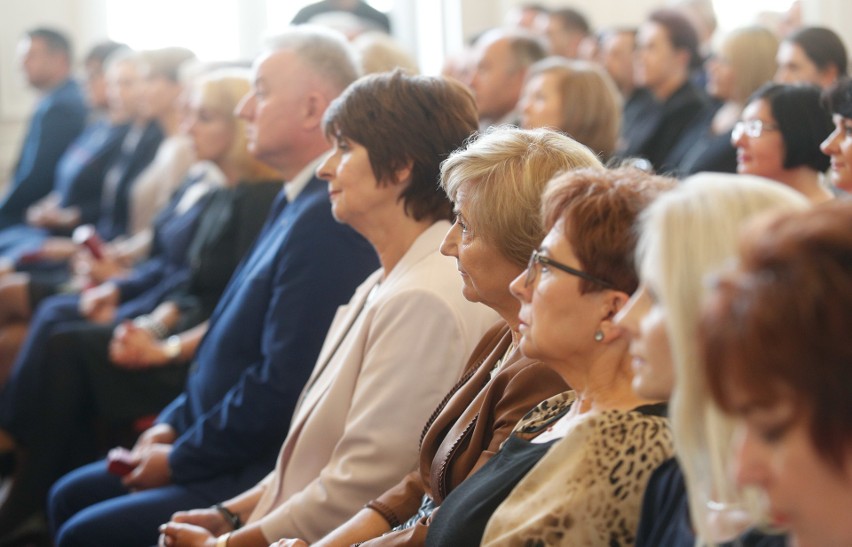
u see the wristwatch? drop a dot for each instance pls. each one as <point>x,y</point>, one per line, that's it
<point>172,347</point>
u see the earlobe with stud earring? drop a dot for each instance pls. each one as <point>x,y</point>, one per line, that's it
<point>599,336</point>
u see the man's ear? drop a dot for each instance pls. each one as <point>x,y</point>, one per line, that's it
<point>683,58</point>
<point>313,109</point>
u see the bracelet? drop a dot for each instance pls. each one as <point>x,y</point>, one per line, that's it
<point>173,347</point>
<point>222,541</point>
<point>156,327</point>
<point>230,517</point>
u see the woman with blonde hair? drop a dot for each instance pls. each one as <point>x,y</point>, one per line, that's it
<point>577,98</point>
<point>744,61</point>
<point>686,234</point>
<point>105,355</point>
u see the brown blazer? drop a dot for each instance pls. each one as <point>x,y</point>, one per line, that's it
<point>466,429</point>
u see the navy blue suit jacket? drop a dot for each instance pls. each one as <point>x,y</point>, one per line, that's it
<point>262,343</point>
<point>59,117</point>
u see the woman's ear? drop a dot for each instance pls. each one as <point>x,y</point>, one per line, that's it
<point>613,302</point>
<point>403,174</point>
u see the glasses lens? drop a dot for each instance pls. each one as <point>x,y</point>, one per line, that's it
<point>754,128</point>
<point>737,132</point>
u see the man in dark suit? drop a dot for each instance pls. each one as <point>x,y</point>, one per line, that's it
<point>56,122</point>
<point>223,433</point>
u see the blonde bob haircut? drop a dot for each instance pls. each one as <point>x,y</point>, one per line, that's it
<point>591,103</point>
<point>220,91</point>
<point>685,235</point>
<point>750,51</point>
<point>503,173</point>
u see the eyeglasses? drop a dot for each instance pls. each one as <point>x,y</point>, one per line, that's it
<point>537,258</point>
<point>751,128</point>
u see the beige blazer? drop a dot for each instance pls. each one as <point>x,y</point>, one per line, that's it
<point>355,430</point>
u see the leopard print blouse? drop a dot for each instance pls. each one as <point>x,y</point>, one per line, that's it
<point>588,488</point>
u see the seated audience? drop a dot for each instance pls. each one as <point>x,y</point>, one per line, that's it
<point>136,152</point>
<point>744,61</point>
<point>38,275</point>
<point>686,234</point>
<point>779,136</point>
<point>657,118</point>
<point>776,348</point>
<point>576,98</point>
<point>838,145</point>
<point>813,55</point>
<point>59,118</point>
<point>355,431</point>
<point>222,434</point>
<point>496,183</point>
<point>501,60</point>
<point>128,204</point>
<point>549,479</point>
<point>76,194</point>
<point>63,381</point>
<point>79,174</point>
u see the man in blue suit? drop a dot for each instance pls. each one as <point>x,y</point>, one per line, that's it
<point>223,433</point>
<point>56,122</point>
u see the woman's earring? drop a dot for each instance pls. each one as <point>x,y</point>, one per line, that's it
<point>599,336</point>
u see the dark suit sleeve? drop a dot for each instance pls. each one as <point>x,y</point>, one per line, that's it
<point>318,266</point>
<point>143,277</point>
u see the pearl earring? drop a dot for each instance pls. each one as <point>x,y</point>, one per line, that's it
<point>599,336</point>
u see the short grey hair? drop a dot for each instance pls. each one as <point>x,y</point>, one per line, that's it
<point>325,51</point>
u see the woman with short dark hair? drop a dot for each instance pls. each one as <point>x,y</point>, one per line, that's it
<point>778,137</point>
<point>838,145</point>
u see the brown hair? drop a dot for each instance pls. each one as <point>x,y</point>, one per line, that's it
<point>591,104</point>
<point>778,327</point>
<point>407,120</point>
<point>599,208</point>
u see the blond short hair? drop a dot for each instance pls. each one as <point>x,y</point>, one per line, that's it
<point>503,173</point>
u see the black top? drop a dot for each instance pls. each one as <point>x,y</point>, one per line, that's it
<point>481,493</point>
<point>659,131</point>
<point>665,515</point>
